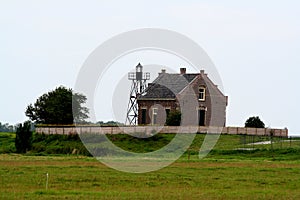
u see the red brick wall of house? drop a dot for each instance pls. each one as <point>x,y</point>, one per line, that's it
<point>149,104</point>
<point>213,117</point>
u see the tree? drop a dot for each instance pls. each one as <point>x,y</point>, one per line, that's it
<point>173,118</point>
<point>109,123</point>
<point>254,122</point>
<point>55,107</point>
<point>23,137</point>
<point>6,127</point>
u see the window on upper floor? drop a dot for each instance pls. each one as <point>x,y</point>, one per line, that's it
<point>202,93</point>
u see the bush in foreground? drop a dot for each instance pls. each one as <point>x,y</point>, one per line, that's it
<point>23,137</point>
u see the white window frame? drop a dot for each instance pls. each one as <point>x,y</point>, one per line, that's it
<point>154,113</point>
<point>203,93</point>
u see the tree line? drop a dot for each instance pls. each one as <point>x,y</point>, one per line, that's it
<point>7,127</point>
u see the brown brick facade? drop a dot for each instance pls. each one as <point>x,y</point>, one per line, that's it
<point>161,106</point>
<point>211,109</point>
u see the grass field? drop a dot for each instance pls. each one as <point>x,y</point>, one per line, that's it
<point>71,177</point>
<point>226,173</point>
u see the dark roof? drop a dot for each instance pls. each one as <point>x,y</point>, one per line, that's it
<point>167,85</point>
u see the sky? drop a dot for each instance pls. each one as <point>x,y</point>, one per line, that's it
<point>253,44</point>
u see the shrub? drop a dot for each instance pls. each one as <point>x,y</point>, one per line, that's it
<point>23,137</point>
<point>174,118</point>
<point>254,122</point>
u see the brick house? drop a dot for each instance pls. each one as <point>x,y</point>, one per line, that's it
<point>164,93</point>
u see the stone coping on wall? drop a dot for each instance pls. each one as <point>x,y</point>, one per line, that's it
<point>149,130</point>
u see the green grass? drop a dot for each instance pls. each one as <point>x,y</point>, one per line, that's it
<point>71,177</point>
<point>229,146</point>
<point>7,142</point>
<point>57,144</point>
<point>141,145</point>
<point>267,172</point>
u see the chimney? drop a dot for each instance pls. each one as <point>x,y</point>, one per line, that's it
<point>182,70</point>
<point>163,71</point>
<point>202,71</point>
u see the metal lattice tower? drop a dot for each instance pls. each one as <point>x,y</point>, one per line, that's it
<point>138,86</point>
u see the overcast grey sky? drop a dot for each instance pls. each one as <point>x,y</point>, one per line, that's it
<point>254,45</point>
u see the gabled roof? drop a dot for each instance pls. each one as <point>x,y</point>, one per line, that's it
<point>167,85</point>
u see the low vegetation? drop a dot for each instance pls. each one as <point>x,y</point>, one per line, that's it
<point>7,142</point>
<point>227,145</point>
<point>235,169</point>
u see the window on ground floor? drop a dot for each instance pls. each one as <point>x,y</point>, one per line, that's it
<point>154,116</point>
<point>144,115</point>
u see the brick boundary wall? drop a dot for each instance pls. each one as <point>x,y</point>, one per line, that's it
<point>148,130</point>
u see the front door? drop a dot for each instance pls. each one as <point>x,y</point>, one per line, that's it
<point>201,115</point>
<point>144,114</point>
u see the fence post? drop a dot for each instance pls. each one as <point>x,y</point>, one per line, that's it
<point>271,134</point>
